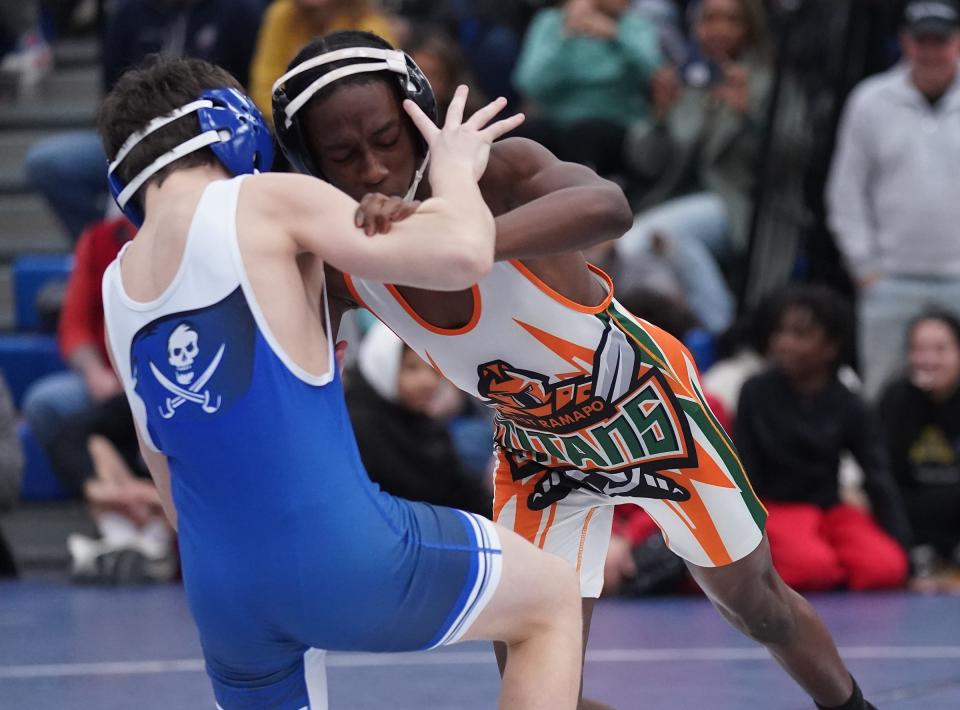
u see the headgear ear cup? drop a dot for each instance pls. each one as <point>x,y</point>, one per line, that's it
<point>289,125</point>
<point>249,148</point>
<point>229,124</point>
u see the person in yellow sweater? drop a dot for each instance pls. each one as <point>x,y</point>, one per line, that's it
<point>288,25</point>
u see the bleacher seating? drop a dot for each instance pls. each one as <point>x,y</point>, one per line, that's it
<point>31,274</point>
<point>26,357</point>
<point>39,480</point>
<point>33,248</point>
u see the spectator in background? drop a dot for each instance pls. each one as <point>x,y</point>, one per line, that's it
<point>793,422</point>
<point>489,33</point>
<point>698,154</point>
<point>69,169</point>
<point>740,354</point>
<point>404,446</point>
<point>97,457</point>
<point>288,25</point>
<point>668,18</point>
<point>892,193</point>
<point>223,32</point>
<point>54,399</point>
<point>920,420</point>
<point>24,52</point>
<point>585,67</point>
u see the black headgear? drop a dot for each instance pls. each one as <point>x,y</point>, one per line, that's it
<point>286,117</point>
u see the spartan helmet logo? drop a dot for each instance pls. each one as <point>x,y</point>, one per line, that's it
<point>182,350</point>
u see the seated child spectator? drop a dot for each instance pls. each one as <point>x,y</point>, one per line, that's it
<point>404,446</point>
<point>793,422</point>
<point>920,419</point>
<point>98,458</point>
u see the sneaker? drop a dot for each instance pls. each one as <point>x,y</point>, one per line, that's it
<point>83,552</point>
<point>161,562</point>
<point>121,566</point>
<point>130,561</point>
<point>162,569</point>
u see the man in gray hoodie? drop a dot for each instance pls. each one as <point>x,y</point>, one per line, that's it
<point>893,196</point>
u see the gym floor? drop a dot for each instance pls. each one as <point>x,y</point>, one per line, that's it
<point>87,648</point>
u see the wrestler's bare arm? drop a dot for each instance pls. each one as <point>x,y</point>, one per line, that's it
<point>552,207</point>
<point>160,473</point>
<point>156,463</point>
<point>544,206</point>
<point>446,245</point>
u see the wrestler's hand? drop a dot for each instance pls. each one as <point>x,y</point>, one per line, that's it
<point>376,212</point>
<point>462,142</point>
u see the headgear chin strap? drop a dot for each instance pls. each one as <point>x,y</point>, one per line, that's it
<point>417,178</point>
<point>288,123</point>
<point>232,127</point>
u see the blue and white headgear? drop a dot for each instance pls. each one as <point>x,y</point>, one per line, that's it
<point>412,82</point>
<point>230,125</point>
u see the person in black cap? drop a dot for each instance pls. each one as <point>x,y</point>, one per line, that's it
<point>932,17</point>
<point>930,40</point>
<point>892,193</point>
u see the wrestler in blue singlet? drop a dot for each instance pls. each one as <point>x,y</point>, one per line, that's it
<point>286,545</point>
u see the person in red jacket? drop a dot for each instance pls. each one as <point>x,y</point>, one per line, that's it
<point>81,420</point>
<point>55,398</point>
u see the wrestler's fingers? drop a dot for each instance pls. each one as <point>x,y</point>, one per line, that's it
<point>482,116</point>
<point>455,109</point>
<point>428,129</point>
<point>495,130</point>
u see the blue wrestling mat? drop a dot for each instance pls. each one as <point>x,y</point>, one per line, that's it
<point>79,648</point>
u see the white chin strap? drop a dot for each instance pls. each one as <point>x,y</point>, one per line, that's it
<point>392,60</point>
<point>194,144</point>
<point>417,178</point>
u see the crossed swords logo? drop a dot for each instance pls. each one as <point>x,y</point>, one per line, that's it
<point>192,393</point>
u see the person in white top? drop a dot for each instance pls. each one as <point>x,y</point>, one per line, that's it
<point>268,511</point>
<point>892,193</point>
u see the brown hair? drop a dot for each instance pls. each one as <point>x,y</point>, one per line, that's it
<point>152,89</point>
